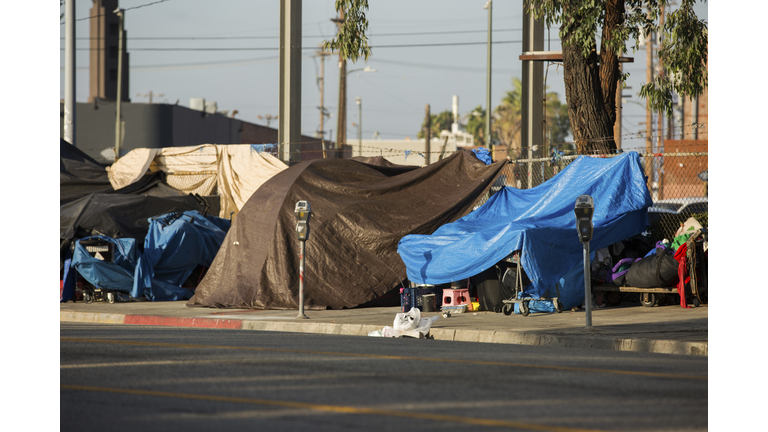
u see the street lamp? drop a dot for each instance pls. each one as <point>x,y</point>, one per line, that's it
<point>365,69</point>
<point>341,134</point>
<point>359,103</point>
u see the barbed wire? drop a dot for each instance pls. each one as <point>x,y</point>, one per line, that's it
<point>330,147</point>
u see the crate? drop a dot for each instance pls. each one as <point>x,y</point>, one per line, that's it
<point>411,297</point>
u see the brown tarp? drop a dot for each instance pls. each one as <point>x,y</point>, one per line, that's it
<point>359,214</point>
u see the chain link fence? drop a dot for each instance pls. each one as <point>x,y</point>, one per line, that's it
<point>677,180</point>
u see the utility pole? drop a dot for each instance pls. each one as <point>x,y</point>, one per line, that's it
<point>119,120</point>
<point>648,113</point>
<point>289,118</point>
<point>321,82</point>
<point>341,121</point>
<point>660,115</point>
<point>533,87</point>
<point>427,135</point>
<point>489,6</point>
<point>69,72</point>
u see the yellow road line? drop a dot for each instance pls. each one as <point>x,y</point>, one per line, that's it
<point>333,408</point>
<point>388,357</point>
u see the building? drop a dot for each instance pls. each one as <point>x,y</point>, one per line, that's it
<point>404,152</point>
<point>105,40</point>
<point>165,125</point>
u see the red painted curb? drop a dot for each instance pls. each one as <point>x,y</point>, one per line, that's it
<point>183,322</point>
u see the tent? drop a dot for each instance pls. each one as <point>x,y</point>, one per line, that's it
<point>81,175</point>
<point>231,171</point>
<point>176,244</point>
<point>359,213</point>
<point>90,205</point>
<point>540,222</point>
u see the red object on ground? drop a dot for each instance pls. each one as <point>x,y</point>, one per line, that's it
<point>682,258</point>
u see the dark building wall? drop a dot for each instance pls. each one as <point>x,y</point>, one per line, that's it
<point>191,127</point>
<point>148,126</point>
<point>162,125</point>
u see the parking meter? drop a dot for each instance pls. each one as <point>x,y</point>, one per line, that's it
<point>302,211</point>
<point>584,209</point>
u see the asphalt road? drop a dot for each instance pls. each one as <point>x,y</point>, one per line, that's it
<point>138,378</point>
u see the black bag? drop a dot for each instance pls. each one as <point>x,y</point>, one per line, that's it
<point>654,271</point>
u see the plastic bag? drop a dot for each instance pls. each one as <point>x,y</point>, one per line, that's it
<point>408,324</point>
<point>407,320</point>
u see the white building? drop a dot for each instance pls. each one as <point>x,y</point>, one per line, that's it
<point>404,152</point>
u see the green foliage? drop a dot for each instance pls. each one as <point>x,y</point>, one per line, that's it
<point>684,39</point>
<point>351,42</point>
<point>476,125</point>
<point>684,57</point>
<point>507,119</point>
<point>439,122</point>
<point>557,118</point>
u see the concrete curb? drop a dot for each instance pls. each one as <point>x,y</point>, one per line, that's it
<point>594,341</point>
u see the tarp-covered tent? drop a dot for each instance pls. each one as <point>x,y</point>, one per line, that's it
<point>117,216</point>
<point>540,222</point>
<point>176,244</point>
<point>232,171</point>
<point>359,213</point>
<point>122,216</point>
<point>81,175</point>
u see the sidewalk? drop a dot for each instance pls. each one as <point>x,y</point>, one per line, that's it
<point>627,327</point>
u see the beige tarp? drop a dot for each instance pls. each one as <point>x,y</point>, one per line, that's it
<point>233,171</point>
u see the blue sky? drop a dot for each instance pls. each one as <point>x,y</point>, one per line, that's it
<point>239,77</point>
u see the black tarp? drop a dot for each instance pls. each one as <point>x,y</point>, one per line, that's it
<point>360,212</point>
<point>90,206</point>
<point>121,216</point>
<point>81,175</point>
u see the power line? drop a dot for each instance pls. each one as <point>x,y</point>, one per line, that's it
<point>277,37</point>
<point>306,48</point>
<point>126,9</point>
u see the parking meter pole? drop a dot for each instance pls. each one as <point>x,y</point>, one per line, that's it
<point>301,283</point>
<point>587,286</point>
<point>302,212</point>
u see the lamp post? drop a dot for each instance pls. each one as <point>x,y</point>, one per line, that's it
<point>359,103</point>
<point>119,123</point>
<point>342,118</point>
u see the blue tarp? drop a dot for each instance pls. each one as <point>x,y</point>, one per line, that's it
<point>116,275</point>
<point>483,154</point>
<point>173,247</point>
<point>540,222</point>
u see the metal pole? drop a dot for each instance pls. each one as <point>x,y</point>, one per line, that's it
<point>488,108</point>
<point>322,98</point>
<point>532,107</point>
<point>301,282</point>
<point>360,126</point>
<point>289,119</point>
<point>427,136</point>
<point>119,122</point>
<point>341,119</point>
<point>69,72</point>
<point>587,286</point>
